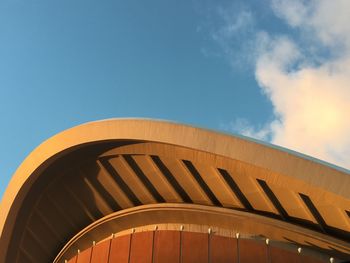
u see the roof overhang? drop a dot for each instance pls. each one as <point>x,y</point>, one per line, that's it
<point>224,170</point>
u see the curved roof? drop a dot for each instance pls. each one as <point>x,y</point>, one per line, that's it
<point>98,168</point>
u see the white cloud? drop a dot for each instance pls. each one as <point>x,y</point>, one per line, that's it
<point>311,103</point>
<point>236,23</point>
<point>245,128</point>
<point>294,12</point>
<point>310,93</point>
<point>327,20</point>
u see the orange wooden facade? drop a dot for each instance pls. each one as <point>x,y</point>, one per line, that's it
<point>168,246</point>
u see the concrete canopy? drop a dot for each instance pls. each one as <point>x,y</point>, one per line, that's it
<point>96,169</point>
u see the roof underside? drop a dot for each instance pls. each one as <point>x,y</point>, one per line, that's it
<point>94,179</point>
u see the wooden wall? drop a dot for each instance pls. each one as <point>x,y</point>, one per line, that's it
<point>169,246</point>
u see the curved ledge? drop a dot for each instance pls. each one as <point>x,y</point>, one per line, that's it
<point>232,220</point>
<point>165,132</point>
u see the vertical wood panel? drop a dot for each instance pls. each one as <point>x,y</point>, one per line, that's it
<point>307,259</point>
<point>84,256</point>
<point>194,247</point>
<point>167,247</point>
<point>252,251</point>
<point>281,255</point>
<point>141,247</point>
<point>172,246</point>
<point>223,249</point>
<point>119,251</point>
<point>100,252</point>
<point>73,260</point>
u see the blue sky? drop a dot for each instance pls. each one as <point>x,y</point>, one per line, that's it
<point>63,63</point>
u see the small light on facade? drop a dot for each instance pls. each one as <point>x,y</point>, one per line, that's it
<point>331,260</point>
<point>267,241</point>
<point>299,250</point>
<point>209,231</point>
<point>182,227</point>
<point>93,243</point>
<point>237,235</point>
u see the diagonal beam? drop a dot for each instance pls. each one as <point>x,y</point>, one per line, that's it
<point>235,188</point>
<point>274,200</point>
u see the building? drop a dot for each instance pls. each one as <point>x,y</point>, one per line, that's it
<point>131,190</point>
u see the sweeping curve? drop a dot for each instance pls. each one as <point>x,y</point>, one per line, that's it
<point>190,165</point>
